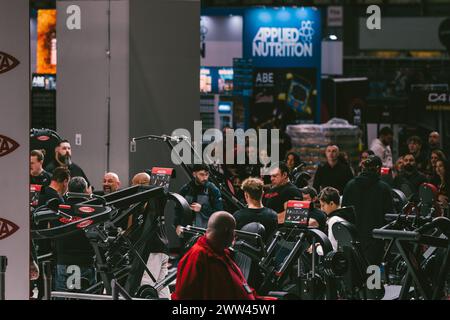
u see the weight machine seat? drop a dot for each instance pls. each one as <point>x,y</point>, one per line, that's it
<point>348,242</point>
<point>345,233</point>
<point>400,200</point>
<point>255,227</point>
<point>442,223</point>
<point>245,262</point>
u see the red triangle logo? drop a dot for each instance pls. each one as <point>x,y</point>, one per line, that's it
<point>7,145</point>
<point>7,228</point>
<point>7,62</point>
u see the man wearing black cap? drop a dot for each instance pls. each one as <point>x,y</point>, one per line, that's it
<point>203,197</point>
<point>372,199</point>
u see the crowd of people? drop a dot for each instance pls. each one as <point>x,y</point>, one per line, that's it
<point>361,196</point>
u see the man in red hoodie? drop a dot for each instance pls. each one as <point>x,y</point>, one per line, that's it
<point>207,271</point>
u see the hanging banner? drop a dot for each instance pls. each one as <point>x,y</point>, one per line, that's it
<point>286,37</point>
<point>14,145</point>
<point>285,47</point>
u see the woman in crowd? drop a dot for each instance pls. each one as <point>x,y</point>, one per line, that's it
<point>443,184</point>
<point>435,156</point>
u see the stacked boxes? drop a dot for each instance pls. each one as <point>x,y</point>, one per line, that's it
<point>310,141</point>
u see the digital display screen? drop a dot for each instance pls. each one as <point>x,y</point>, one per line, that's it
<point>297,212</point>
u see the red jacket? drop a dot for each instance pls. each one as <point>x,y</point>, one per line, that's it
<point>204,274</point>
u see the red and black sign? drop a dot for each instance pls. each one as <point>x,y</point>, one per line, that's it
<point>161,177</point>
<point>7,228</point>
<point>35,190</point>
<point>7,62</point>
<point>7,145</point>
<point>297,212</point>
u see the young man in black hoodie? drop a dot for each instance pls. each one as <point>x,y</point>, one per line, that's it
<point>372,199</point>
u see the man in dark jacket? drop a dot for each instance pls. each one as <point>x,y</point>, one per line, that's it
<point>332,173</point>
<point>203,197</point>
<point>409,179</point>
<point>372,199</point>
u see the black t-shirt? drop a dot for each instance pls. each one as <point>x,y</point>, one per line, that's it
<point>276,197</point>
<point>48,193</point>
<point>75,170</point>
<point>266,216</point>
<point>43,179</point>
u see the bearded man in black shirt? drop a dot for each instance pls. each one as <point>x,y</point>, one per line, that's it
<point>63,158</point>
<point>281,192</point>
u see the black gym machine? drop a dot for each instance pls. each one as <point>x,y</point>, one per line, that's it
<point>120,254</point>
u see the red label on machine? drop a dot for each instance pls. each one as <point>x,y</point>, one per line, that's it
<point>86,209</point>
<point>43,138</point>
<point>165,171</point>
<point>64,206</point>
<point>299,204</point>
<point>67,220</point>
<point>84,224</point>
<point>35,188</point>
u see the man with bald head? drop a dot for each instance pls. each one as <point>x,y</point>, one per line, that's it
<point>207,271</point>
<point>434,141</point>
<point>332,172</point>
<point>141,178</point>
<point>111,182</point>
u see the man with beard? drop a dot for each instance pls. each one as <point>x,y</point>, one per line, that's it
<point>63,158</point>
<point>434,141</point>
<point>111,182</point>
<point>409,179</point>
<point>203,197</point>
